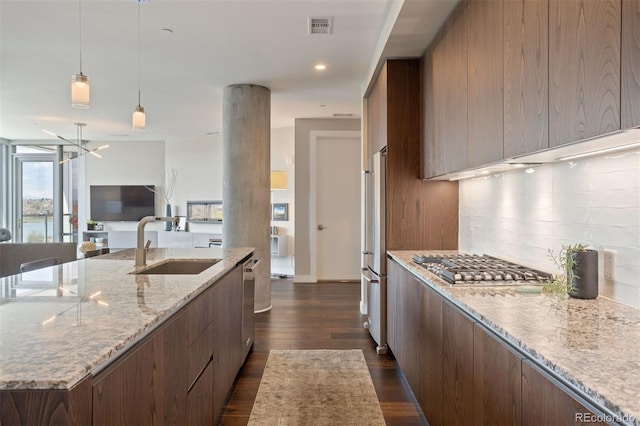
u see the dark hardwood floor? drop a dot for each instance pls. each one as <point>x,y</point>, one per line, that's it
<point>319,316</point>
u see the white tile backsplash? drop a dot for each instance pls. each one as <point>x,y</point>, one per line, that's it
<point>520,216</point>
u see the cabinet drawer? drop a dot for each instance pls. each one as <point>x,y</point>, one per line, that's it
<point>200,351</point>
<point>199,315</point>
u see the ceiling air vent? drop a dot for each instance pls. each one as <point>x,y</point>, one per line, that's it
<point>343,115</point>
<point>320,25</point>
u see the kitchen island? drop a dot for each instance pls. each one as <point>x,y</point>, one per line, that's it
<point>65,330</point>
<point>510,357</point>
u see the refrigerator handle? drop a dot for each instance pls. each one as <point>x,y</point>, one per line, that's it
<point>367,276</point>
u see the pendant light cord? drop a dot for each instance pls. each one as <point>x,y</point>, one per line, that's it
<point>138,53</point>
<point>80,31</point>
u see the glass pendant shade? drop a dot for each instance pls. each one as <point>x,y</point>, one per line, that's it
<point>80,91</point>
<point>139,119</point>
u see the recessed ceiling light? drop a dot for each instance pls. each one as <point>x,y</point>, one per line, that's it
<point>320,67</point>
<point>166,30</point>
<point>323,105</point>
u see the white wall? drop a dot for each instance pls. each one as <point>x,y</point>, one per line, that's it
<point>282,158</point>
<point>198,163</point>
<point>596,201</point>
<point>303,129</point>
<point>123,163</point>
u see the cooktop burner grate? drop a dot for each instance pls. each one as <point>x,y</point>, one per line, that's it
<point>479,270</point>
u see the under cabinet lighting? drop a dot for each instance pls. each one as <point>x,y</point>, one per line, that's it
<point>599,151</point>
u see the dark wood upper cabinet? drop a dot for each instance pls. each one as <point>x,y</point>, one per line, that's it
<point>432,163</point>
<point>584,69</point>
<point>444,92</point>
<point>419,214</point>
<point>526,76</point>
<point>377,113</point>
<point>630,63</point>
<point>485,97</point>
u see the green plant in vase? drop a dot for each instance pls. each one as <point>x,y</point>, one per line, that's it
<point>579,276</point>
<point>91,224</point>
<point>566,261</point>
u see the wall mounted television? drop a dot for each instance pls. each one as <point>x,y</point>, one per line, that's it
<point>118,203</point>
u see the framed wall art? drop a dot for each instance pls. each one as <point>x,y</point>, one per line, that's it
<point>280,211</point>
<point>204,211</point>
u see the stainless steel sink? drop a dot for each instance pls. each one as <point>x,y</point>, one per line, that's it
<point>179,267</point>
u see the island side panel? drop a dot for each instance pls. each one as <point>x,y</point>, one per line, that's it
<point>56,406</point>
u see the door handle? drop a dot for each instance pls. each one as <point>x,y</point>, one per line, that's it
<point>321,227</point>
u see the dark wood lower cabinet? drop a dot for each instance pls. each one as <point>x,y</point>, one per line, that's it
<point>183,372</point>
<point>200,410</point>
<point>457,363</point>
<point>47,407</point>
<point>227,335</point>
<point>430,355</point>
<point>465,373</point>
<point>497,381</point>
<point>180,374</point>
<point>409,329</point>
<point>128,392</point>
<point>545,402</point>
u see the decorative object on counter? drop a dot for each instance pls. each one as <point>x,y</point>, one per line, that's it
<point>579,277</point>
<point>166,193</point>
<point>87,246</point>
<point>181,225</point>
<point>280,211</point>
<point>5,235</point>
<point>91,225</point>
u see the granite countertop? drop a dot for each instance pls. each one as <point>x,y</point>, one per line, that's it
<point>59,324</point>
<point>593,345</point>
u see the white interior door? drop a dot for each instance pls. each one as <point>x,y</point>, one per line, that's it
<point>338,208</point>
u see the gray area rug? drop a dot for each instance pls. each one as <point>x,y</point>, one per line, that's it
<point>316,387</point>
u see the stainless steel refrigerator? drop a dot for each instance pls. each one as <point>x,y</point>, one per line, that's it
<point>374,274</point>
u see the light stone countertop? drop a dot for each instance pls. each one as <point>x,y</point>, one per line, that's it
<point>59,324</point>
<point>593,345</point>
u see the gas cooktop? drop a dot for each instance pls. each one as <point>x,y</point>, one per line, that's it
<point>479,270</point>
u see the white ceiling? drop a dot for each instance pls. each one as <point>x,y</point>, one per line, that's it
<point>213,43</point>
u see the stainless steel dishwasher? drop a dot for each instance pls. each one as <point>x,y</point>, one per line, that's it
<point>248,291</point>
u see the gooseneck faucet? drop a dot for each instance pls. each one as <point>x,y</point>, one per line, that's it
<point>141,250</point>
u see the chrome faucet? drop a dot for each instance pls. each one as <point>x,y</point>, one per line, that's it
<point>141,249</point>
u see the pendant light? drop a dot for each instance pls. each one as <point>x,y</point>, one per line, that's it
<point>139,118</point>
<point>80,91</point>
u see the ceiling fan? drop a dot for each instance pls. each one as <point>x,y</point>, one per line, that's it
<point>82,150</point>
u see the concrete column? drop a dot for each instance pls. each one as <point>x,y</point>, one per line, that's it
<point>246,197</point>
